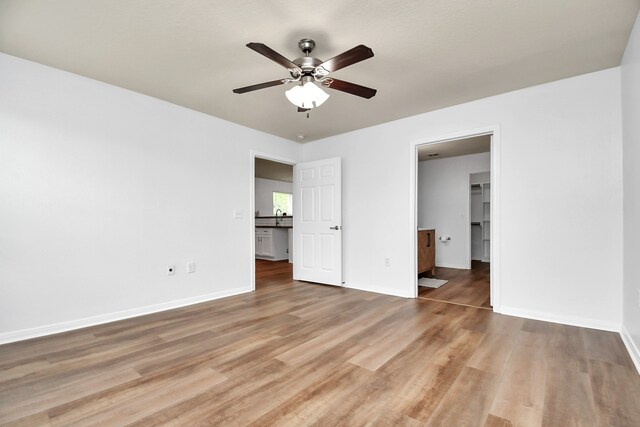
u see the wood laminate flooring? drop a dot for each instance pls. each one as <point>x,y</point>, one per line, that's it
<point>272,272</point>
<point>466,287</point>
<point>299,354</point>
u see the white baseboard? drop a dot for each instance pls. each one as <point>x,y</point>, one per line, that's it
<point>378,289</point>
<point>631,347</point>
<point>56,328</point>
<point>457,266</point>
<point>565,320</point>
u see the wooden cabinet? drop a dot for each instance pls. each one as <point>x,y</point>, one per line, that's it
<point>426,251</point>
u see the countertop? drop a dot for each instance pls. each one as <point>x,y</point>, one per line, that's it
<point>279,216</point>
<point>274,226</point>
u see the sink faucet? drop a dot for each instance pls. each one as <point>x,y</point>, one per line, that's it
<point>278,210</point>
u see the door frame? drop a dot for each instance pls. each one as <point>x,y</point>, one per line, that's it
<point>253,155</point>
<point>495,235</point>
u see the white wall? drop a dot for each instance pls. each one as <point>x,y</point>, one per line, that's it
<point>443,204</point>
<point>631,154</point>
<point>561,229</point>
<point>102,188</point>
<point>264,194</point>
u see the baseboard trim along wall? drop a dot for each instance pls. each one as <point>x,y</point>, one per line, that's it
<point>57,328</point>
<point>631,347</point>
<point>564,320</point>
<point>377,289</point>
<point>458,266</point>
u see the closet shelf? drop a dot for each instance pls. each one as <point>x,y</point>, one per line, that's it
<point>480,199</point>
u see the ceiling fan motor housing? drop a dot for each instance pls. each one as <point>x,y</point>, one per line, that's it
<point>307,64</point>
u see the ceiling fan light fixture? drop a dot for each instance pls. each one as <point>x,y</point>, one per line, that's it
<point>307,95</point>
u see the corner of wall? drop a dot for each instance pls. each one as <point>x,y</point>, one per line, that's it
<point>630,105</point>
<point>633,350</point>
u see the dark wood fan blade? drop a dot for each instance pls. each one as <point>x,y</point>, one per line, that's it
<point>260,86</point>
<point>352,88</point>
<point>265,50</point>
<point>302,110</point>
<point>352,56</point>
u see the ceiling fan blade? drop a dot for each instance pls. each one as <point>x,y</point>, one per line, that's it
<point>350,57</point>
<point>261,86</point>
<point>265,50</point>
<point>303,110</point>
<point>352,88</point>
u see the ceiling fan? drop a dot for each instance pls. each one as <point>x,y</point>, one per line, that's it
<point>308,70</point>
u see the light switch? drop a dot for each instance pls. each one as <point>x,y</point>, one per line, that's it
<point>191,267</point>
<point>237,213</point>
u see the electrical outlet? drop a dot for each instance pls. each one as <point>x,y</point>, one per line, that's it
<point>387,262</point>
<point>171,270</point>
<point>191,267</point>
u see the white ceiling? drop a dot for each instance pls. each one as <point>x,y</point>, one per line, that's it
<point>429,54</point>
<point>458,147</point>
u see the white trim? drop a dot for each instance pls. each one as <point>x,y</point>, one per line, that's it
<point>494,131</point>
<point>469,239</point>
<point>113,317</point>
<point>413,219</point>
<point>456,266</point>
<point>378,289</point>
<point>494,213</point>
<point>252,206</point>
<point>564,320</point>
<point>634,353</point>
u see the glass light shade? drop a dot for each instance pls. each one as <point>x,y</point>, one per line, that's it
<point>307,96</point>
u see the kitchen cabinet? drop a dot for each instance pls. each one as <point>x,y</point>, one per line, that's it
<point>264,242</point>
<point>426,251</point>
<point>271,244</point>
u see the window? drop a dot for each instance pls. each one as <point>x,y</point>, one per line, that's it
<point>283,201</point>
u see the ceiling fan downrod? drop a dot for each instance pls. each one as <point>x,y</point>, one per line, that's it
<point>306,46</point>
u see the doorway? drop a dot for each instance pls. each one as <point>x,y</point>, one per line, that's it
<point>272,220</point>
<point>314,242</point>
<point>445,177</point>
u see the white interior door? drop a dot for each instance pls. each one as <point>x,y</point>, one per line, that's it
<point>317,222</point>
